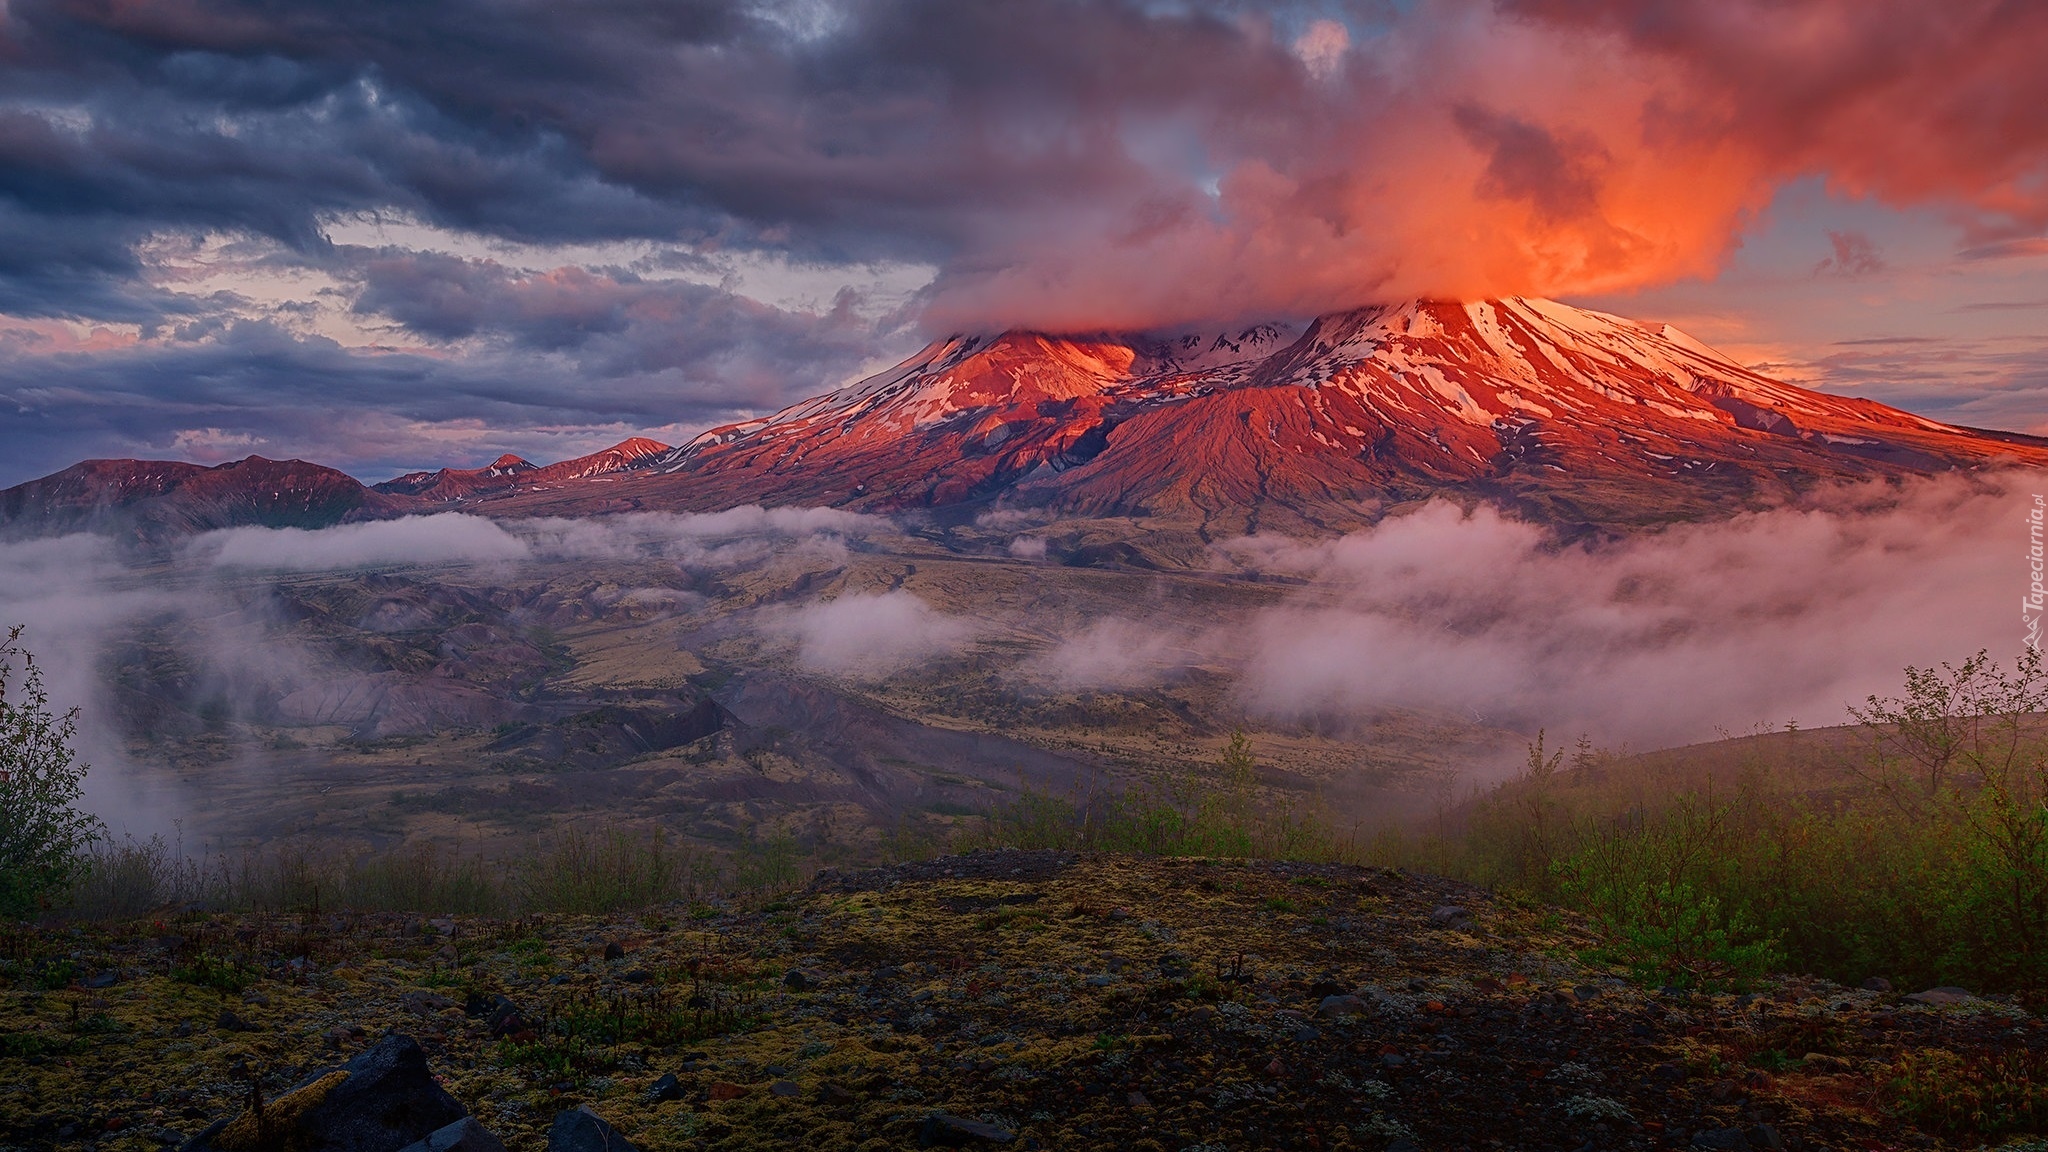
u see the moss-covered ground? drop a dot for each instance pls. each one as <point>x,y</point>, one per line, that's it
<point>1076,1001</point>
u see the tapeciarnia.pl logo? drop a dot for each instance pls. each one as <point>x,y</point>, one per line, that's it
<point>2037,560</point>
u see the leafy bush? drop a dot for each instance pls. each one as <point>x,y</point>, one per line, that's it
<point>41,832</point>
<point>206,970</point>
<point>1913,846</point>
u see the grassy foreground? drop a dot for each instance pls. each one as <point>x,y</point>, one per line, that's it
<point>1072,1001</point>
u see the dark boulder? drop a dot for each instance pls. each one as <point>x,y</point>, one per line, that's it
<point>381,1101</point>
<point>585,1131</point>
<point>465,1135</point>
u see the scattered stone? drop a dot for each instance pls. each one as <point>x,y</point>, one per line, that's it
<point>424,1003</point>
<point>582,1130</point>
<point>105,979</point>
<point>342,1034</point>
<point>1942,995</point>
<point>465,1135</point>
<point>1137,1100</point>
<point>950,1131</point>
<point>798,980</point>
<point>613,950</point>
<point>665,1089</point>
<point>1449,916</point>
<point>786,1089</point>
<point>504,1018</point>
<point>836,1094</point>
<point>1877,984</point>
<point>1343,1005</point>
<point>227,1021</point>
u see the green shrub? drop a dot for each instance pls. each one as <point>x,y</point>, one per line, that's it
<point>41,830</point>
<point>206,970</point>
<point>1914,845</point>
<point>1984,1094</point>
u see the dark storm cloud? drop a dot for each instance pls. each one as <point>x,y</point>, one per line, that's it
<point>600,119</point>
<point>573,357</point>
<point>616,326</point>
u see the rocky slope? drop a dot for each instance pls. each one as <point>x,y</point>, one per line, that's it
<point>1019,999</point>
<point>509,473</point>
<point>457,483</point>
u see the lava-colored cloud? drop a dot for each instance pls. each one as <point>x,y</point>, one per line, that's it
<point>1559,148</point>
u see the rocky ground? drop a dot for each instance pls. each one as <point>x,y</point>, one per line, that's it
<point>1026,999</point>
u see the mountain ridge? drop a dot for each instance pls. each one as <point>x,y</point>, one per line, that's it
<point>1560,414</point>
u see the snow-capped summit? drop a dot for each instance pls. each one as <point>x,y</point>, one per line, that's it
<point>1565,411</point>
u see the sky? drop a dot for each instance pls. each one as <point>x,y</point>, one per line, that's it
<point>385,235</point>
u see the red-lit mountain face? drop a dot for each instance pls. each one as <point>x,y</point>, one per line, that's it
<point>155,500</point>
<point>509,473</point>
<point>150,500</point>
<point>1562,413</point>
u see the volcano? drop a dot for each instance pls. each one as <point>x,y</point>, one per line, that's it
<point>1560,413</point>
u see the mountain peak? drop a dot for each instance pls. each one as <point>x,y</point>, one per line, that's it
<point>1557,408</point>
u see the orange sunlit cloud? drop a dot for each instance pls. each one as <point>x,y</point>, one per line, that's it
<point>1555,149</point>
